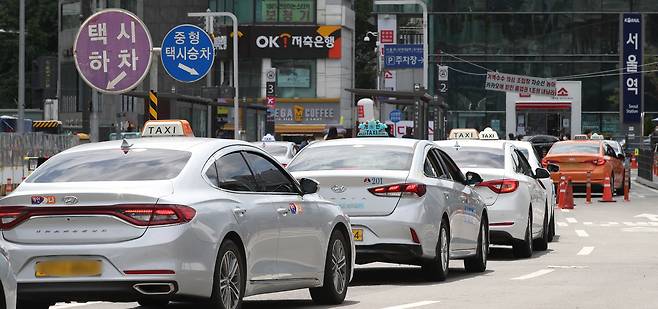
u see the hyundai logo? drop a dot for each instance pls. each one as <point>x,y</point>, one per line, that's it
<point>338,188</point>
<point>70,200</point>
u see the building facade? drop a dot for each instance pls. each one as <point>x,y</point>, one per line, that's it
<point>314,66</point>
<point>563,39</point>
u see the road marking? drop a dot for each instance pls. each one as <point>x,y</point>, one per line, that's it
<point>641,196</point>
<point>572,220</point>
<point>651,217</point>
<point>535,274</point>
<point>72,305</point>
<point>647,187</point>
<point>413,305</point>
<point>653,223</point>
<point>629,223</point>
<point>588,223</point>
<point>567,267</point>
<point>585,251</point>
<point>642,223</point>
<point>613,223</point>
<point>582,233</point>
<point>564,210</point>
<point>562,224</point>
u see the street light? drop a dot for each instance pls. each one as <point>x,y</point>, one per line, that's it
<point>368,34</point>
<point>425,38</point>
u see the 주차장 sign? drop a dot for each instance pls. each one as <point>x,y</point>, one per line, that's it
<point>403,56</point>
<point>521,84</point>
<point>112,51</point>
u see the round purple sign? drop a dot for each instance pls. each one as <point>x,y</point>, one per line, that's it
<point>113,51</point>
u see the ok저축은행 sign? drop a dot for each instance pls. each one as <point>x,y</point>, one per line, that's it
<point>112,51</point>
<point>187,53</point>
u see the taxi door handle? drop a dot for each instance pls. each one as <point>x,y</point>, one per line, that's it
<point>240,212</point>
<point>283,211</point>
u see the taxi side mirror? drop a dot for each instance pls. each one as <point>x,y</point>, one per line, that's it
<point>309,186</point>
<point>473,179</point>
<point>541,173</point>
<point>553,168</point>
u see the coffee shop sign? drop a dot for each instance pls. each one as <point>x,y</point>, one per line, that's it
<point>299,113</point>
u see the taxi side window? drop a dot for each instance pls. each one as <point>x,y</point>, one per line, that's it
<point>452,168</point>
<point>524,165</point>
<point>428,168</point>
<point>211,173</point>
<point>515,161</point>
<point>269,177</point>
<point>233,173</point>
<point>442,169</point>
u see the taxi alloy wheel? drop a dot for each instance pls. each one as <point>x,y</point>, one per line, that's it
<point>336,272</point>
<point>523,248</point>
<point>229,282</point>
<point>437,268</point>
<point>478,263</point>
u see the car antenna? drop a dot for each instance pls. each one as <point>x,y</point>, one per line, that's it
<point>125,147</point>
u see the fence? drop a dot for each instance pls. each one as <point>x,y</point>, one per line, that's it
<point>15,147</point>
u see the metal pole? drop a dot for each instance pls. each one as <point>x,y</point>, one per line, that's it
<point>21,68</point>
<point>423,6</point>
<point>236,105</point>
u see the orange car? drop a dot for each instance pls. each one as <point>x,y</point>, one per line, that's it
<point>576,158</point>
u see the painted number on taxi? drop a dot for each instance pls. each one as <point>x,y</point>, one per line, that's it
<point>373,181</point>
<point>357,234</point>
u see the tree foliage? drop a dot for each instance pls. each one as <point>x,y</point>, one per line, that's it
<point>41,40</point>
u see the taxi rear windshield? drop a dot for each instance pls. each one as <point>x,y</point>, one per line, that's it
<point>112,165</point>
<point>477,157</point>
<point>353,157</point>
<point>590,148</point>
<point>276,150</point>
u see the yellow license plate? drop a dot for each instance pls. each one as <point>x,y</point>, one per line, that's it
<point>68,268</point>
<point>357,234</point>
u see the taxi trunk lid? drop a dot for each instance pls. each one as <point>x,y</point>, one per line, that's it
<point>349,189</point>
<point>488,174</point>
<point>79,213</point>
<point>581,162</point>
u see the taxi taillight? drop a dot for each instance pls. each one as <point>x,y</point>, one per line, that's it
<point>501,185</point>
<point>397,190</point>
<point>140,215</point>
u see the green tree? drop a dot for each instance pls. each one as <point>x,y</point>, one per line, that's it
<point>41,40</point>
<point>364,52</point>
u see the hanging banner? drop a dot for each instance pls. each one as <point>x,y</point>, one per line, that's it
<point>521,84</point>
<point>632,57</point>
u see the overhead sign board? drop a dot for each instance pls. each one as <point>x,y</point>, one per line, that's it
<point>112,51</point>
<point>306,42</point>
<point>187,53</point>
<point>632,57</point>
<point>403,56</point>
<point>520,84</point>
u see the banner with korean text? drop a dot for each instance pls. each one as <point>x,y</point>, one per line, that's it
<point>520,84</point>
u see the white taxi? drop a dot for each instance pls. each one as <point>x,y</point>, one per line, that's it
<point>283,152</point>
<point>408,201</point>
<point>172,217</point>
<point>517,202</point>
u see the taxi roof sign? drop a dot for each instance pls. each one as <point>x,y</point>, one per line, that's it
<point>488,134</point>
<point>580,137</point>
<point>160,128</point>
<point>372,128</point>
<point>596,137</point>
<point>463,134</point>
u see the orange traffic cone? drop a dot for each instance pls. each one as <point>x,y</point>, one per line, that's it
<point>607,191</point>
<point>564,201</point>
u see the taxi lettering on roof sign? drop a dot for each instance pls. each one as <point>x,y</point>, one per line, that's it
<point>596,137</point>
<point>580,137</point>
<point>463,134</point>
<point>372,128</point>
<point>157,128</point>
<point>489,134</point>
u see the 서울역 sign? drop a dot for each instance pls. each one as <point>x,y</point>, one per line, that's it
<point>632,78</point>
<point>112,51</point>
<point>521,84</point>
<point>187,53</point>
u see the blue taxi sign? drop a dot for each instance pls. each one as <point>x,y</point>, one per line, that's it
<point>372,128</point>
<point>187,53</point>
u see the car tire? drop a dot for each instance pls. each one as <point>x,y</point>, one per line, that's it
<point>523,248</point>
<point>32,305</point>
<point>229,267</point>
<point>478,263</point>
<point>153,303</point>
<point>541,244</point>
<point>551,228</point>
<point>336,272</point>
<point>437,268</point>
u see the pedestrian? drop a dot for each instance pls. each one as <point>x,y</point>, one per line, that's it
<point>332,134</point>
<point>511,136</point>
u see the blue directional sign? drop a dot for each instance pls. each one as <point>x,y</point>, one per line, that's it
<point>403,56</point>
<point>395,115</point>
<point>187,53</point>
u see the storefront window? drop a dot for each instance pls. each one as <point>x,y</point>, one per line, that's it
<point>295,78</point>
<point>285,11</point>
